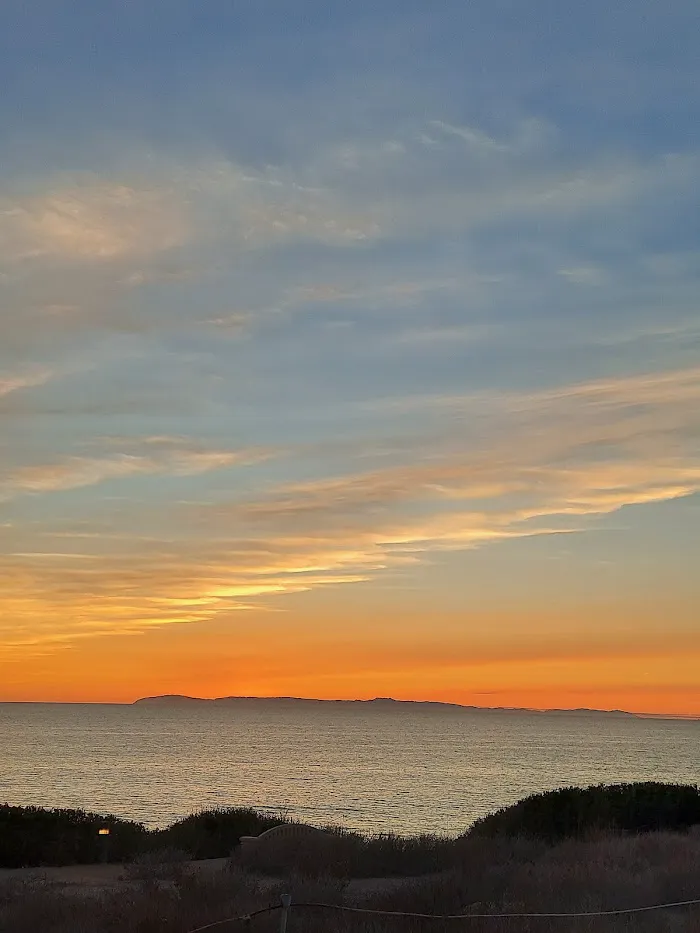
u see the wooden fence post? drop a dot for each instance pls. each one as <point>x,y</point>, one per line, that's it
<point>286,906</point>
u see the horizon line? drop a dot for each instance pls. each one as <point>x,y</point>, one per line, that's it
<point>522,709</point>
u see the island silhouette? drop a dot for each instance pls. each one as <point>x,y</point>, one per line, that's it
<point>177,700</point>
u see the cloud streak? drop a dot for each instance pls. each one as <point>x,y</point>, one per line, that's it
<point>161,222</point>
<point>27,379</point>
<point>551,462</point>
<point>169,457</point>
<point>90,221</point>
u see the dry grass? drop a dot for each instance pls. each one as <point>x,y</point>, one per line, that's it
<point>344,854</point>
<point>489,876</point>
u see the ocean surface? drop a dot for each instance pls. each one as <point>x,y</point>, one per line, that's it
<point>408,769</point>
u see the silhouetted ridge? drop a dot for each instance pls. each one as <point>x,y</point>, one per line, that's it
<point>181,700</point>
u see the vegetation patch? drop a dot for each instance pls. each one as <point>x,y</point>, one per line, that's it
<point>576,812</point>
<point>34,837</point>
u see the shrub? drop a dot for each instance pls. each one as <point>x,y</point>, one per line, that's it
<point>213,833</point>
<point>513,875</point>
<point>32,836</point>
<point>500,875</point>
<point>576,812</point>
<point>345,854</point>
<point>389,854</point>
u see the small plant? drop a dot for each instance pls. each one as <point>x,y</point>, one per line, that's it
<point>170,866</point>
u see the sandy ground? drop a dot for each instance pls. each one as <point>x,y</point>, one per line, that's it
<point>92,876</point>
<point>93,879</point>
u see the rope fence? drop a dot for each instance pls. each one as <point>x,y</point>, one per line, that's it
<point>286,905</point>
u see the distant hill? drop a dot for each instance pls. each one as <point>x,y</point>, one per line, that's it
<point>177,700</point>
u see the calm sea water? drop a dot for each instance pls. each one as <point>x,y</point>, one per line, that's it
<point>404,769</point>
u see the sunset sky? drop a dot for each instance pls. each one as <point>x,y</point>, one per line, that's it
<point>351,349</point>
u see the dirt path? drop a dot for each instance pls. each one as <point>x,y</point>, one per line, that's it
<point>101,877</point>
<point>96,878</point>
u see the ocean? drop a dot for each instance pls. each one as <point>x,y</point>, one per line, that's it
<point>408,769</point>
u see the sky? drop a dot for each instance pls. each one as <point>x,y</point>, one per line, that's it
<point>351,350</point>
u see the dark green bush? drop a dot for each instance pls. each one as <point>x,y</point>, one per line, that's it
<point>212,833</point>
<point>32,836</point>
<point>575,812</point>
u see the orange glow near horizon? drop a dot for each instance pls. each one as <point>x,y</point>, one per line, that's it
<point>534,673</point>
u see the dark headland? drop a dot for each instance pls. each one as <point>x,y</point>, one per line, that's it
<point>178,700</point>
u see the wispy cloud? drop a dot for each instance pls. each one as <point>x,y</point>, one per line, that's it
<point>548,464</point>
<point>92,220</point>
<point>168,457</point>
<point>583,450</point>
<point>332,200</point>
<point>475,139</point>
<point>25,379</point>
<point>159,227</point>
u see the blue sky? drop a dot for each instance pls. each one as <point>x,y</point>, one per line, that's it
<point>369,305</point>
